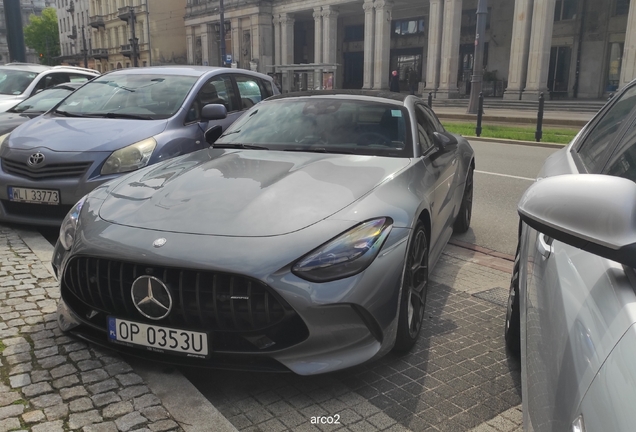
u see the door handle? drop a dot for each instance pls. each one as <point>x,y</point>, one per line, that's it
<point>544,245</point>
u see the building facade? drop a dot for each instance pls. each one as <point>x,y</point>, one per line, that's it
<point>29,7</point>
<point>75,33</point>
<point>565,48</point>
<point>129,33</point>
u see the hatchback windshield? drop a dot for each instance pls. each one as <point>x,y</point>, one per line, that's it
<point>43,101</point>
<point>15,82</point>
<point>323,125</point>
<point>129,96</point>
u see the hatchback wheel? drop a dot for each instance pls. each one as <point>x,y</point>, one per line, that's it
<point>462,223</point>
<point>414,289</point>
<point>512,332</point>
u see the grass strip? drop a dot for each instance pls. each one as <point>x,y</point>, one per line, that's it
<point>550,135</point>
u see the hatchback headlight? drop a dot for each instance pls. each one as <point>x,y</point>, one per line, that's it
<point>69,225</point>
<point>3,139</point>
<point>346,255</point>
<point>130,158</point>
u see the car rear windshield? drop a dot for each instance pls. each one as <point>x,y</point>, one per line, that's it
<point>15,82</point>
<point>129,96</point>
<point>328,125</point>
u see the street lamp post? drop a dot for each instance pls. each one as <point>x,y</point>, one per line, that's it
<point>478,62</point>
<point>222,32</point>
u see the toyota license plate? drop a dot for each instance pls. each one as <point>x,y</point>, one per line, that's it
<point>158,338</point>
<point>34,196</point>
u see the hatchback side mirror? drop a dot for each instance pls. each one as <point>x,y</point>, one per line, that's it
<point>213,112</point>
<point>213,134</point>
<point>444,140</point>
<point>595,213</point>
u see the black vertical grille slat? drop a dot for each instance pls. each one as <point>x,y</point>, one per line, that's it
<point>201,299</point>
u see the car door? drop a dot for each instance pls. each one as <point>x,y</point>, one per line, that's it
<point>217,90</point>
<point>442,165</point>
<point>574,312</point>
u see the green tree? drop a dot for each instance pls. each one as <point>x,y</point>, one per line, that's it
<point>42,34</point>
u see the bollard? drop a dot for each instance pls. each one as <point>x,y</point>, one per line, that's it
<point>430,100</point>
<point>538,135</point>
<point>480,114</point>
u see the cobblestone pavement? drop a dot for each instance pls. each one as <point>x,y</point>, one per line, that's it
<point>50,382</point>
<point>457,378</point>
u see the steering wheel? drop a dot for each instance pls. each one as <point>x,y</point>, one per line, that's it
<point>370,138</point>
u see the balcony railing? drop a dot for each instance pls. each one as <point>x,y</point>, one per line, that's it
<point>97,21</point>
<point>99,53</point>
<point>126,50</point>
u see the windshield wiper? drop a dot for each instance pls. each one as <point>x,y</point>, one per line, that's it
<point>240,146</point>
<point>122,115</point>
<point>320,150</point>
<point>67,114</point>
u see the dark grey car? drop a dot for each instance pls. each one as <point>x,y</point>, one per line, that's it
<point>302,240</point>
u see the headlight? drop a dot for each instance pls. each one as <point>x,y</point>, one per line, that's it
<point>346,255</point>
<point>69,225</point>
<point>3,139</point>
<point>130,158</point>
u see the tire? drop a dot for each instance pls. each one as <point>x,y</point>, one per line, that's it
<point>414,290</point>
<point>462,222</point>
<point>512,331</point>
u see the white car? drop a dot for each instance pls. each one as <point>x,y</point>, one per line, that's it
<point>19,81</point>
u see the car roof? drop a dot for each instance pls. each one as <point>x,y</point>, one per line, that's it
<point>30,67</point>
<point>368,95</point>
<point>195,71</point>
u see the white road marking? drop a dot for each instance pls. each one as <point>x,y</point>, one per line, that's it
<point>506,175</point>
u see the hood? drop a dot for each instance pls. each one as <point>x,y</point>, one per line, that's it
<point>8,101</point>
<point>70,134</point>
<point>10,121</point>
<point>244,193</point>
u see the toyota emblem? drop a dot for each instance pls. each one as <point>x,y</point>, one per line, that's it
<point>36,159</point>
<point>151,297</point>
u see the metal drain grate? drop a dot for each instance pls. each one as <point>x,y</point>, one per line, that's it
<point>497,295</point>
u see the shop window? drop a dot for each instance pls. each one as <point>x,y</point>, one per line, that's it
<point>621,7</point>
<point>565,10</point>
<point>409,27</point>
<point>615,63</point>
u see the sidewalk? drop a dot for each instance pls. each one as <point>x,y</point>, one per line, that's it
<point>53,383</point>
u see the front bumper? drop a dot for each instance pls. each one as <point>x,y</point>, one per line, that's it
<point>347,322</point>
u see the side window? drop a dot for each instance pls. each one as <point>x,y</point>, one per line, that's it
<point>218,90</point>
<point>433,119</point>
<point>594,150</point>
<point>425,129</point>
<point>623,161</point>
<point>51,80</point>
<point>76,78</point>
<point>267,86</point>
<point>249,91</point>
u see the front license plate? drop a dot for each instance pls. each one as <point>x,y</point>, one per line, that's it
<point>158,338</point>
<point>34,196</point>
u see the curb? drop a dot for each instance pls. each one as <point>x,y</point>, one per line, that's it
<point>513,120</point>
<point>516,142</point>
<point>184,402</point>
<point>481,249</point>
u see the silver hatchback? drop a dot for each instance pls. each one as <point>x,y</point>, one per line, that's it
<point>572,305</point>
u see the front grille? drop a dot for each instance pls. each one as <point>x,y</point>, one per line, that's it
<point>35,210</point>
<point>201,300</point>
<point>49,171</point>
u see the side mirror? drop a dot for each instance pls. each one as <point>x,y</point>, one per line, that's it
<point>444,140</point>
<point>213,112</point>
<point>213,134</point>
<point>595,213</point>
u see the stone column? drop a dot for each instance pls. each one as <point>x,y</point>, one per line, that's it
<point>318,34</point>
<point>236,42</point>
<point>434,44</point>
<point>540,44</point>
<point>277,41</point>
<point>382,55</point>
<point>330,34</point>
<point>205,49</point>
<point>628,67</point>
<point>287,38</point>
<point>449,63</point>
<point>190,46</point>
<point>369,43</point>
<point>518,69</point>
<point>213,46</point>
<point>262,38</point>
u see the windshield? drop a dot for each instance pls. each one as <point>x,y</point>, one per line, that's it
<point>15,82</point>
<point>328,125</point>
<point>43,101</point>
<point>129,96</point>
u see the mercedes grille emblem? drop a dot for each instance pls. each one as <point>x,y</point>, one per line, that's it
<point>151,297</point>
<point>35,159</point>
<point>159,242</point>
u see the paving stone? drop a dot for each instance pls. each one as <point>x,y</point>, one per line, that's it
<point>56,412</point>
<point>76,421</point>
<point>101,427</point>
<point>7,398</point>
<point>9,424</point>
<point>46,401</point>
<point>129,421</point>
<point>21,368</point>
<point>82,404</point>
<point>11,411</point>
<point>105,398</point>
<point>87,365</point>
<point>164,425</point>
<point>155,413</point>
<point>146,401</point>
<point>19,358</point>
<point>18,381</point>
<point>117,409</point>
<point>33,416</point>
<point>129,379</point>
<point>51,362</point>
<point>103,386</point>
<point>118,368</point>
<point>94,376</point>
<point>66,381</point>
<point>46,352</point>
<point>40,375</point>
<point>37,389</point>
<point>63,370</point>
<point>75,346</point>
<point>52,426</point>
<point>80,355</point>
<point>132,392</point>
<point>73,392</point>
<point>16,349</point>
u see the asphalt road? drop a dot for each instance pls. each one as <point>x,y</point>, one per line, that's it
<point>502,174</point>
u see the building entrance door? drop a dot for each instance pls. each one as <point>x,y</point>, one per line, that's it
<point>353,70</point>
<point>559,71</point>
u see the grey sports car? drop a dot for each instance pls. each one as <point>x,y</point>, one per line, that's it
<point>300,240</point>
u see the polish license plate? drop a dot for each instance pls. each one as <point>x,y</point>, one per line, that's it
<point>34,196</point>
<point>158,338</point>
